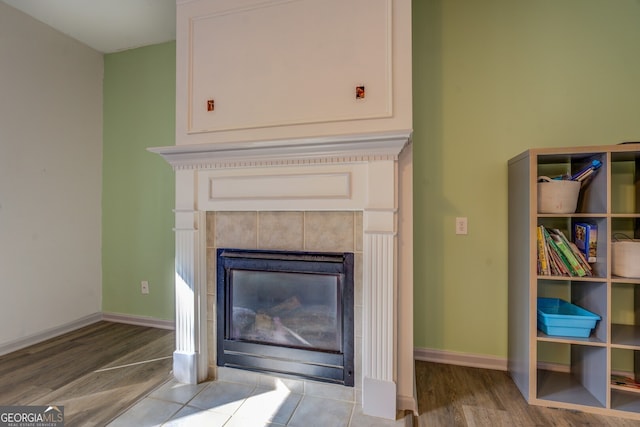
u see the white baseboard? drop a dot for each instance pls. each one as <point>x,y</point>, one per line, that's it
<point>82,322</point>
<point>139,320</point>
<point>49,333</point>
<point>461,359</point>
<point>407,403</point>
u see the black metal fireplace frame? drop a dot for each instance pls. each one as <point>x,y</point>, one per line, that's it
<point>321,365</point>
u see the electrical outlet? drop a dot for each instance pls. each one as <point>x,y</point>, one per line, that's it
<point>461,225</point>
<point>144,287</point>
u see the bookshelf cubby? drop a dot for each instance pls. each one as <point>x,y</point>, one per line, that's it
<point>568,372</point>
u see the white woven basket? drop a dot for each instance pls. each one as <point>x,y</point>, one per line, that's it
<point>625,258</point>
<point>557,196</point>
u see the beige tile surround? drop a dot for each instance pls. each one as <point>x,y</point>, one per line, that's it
<point>326,231</point>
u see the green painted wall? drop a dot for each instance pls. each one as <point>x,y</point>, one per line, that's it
<point>138,186</point>
<point>491,79</point>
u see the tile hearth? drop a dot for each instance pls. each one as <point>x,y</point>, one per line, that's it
<point>240,398</point>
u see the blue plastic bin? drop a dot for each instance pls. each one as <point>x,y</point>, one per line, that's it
<point>557,317</point>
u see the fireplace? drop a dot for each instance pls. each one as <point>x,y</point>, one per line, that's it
<point>368,175</point>
<point>288,313</point>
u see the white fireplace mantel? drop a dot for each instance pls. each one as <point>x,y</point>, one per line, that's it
<point>344,148</point>
<point>362,172</point>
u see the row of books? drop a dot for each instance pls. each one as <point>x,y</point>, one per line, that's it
<point>624,381</point>
<point>558,256</point>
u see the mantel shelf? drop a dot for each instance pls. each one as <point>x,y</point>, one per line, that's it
<point>345,148</point>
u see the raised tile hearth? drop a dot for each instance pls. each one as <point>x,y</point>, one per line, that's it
<point>241,399</point>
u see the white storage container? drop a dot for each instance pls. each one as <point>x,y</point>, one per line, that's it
<point>557,196</point>
<point>625,258</point>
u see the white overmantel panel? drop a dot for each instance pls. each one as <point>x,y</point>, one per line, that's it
<point>306,73</point>
<point>290,68</point>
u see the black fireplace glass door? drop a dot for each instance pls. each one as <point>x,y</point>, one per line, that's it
<point>291,309</point>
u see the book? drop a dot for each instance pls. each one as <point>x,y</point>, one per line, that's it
<point>583,261</point>
<point>543,261</point>
<point>558,256</point>
<point>563,245</point>
<point>585,237</point>
<point>624,381</point>
<point>558,266</point>
<point>563,265</point>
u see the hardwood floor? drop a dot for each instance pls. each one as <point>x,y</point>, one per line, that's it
<point>99,371</point>
<point>451,395</point>
<point>96,372</point>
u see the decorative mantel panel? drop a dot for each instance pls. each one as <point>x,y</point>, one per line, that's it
<point>354,172</point>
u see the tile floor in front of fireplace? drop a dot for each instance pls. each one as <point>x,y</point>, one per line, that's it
<point>235,402</point>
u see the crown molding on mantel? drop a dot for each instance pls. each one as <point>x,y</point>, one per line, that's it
<point>326,149</point>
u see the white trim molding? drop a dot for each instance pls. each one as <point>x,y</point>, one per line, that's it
<point>50,333</point>
<point>461,359</point>
<point>81,323</point>
<point>130,319</point>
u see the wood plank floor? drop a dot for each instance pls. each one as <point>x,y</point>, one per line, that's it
<point>99,371</point>
<point>96,372</point>
<point>451,395</point>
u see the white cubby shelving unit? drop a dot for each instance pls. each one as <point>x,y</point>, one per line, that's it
<point>566,372</point>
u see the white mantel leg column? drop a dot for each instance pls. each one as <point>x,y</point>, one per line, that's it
<point>189,359</point>
<point>379,270</point>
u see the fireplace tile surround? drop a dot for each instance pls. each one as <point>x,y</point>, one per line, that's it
<point>331,231</point>
<point>303,193</point>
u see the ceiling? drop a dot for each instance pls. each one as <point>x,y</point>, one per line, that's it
<point>106,25</point>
